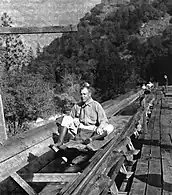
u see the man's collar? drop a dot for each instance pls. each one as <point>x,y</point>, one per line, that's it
<point>86,103</point>
<point>89,101</point>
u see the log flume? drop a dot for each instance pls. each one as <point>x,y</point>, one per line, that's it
<point>29,166</point>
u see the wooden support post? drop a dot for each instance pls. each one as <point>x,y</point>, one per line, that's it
<point>23,184</point>
<point>132,149</point>
<point>145,128</point>
<point>124,171</point>
<point>114,189</point>
<point>3,133</point>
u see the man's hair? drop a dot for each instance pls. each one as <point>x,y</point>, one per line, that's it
<point>86,85</point>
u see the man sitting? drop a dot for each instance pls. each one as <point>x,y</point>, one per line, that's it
<point>87,120</point>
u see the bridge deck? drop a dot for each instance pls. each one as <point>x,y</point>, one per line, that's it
<point>153,174</point>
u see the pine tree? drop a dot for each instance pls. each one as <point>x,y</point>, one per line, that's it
<point>16,50</point>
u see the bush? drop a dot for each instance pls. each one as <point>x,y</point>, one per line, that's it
<point>25,97</point>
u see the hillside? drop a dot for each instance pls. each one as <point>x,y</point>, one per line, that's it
<point>45,13</point>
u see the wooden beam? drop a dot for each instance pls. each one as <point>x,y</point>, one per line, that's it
<point>3,133</point>
<point>38,30</point>
<point>49,177</point>
<point>115,108</point>
<point>23,184</point>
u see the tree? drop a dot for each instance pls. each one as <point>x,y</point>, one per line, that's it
<point>26,96</point>
<point>16,50</point>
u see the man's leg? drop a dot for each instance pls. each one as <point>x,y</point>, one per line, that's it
<point>63,130</point>
<point>109,128</point>
<point>62,134</point>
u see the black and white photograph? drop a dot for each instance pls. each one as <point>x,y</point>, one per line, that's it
<point>86,97</point>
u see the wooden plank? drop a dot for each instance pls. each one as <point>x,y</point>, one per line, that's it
<point>155,152</point>
<point>122,104</point>
<point>49,177</point>
<point>167,177</point>
<point>154,183</point>
<point>37,30</point>
<point>140,178</point>
<point>23,184</point>
<point>22,142</point>
<point>155,135</point>
<point>145,152</point>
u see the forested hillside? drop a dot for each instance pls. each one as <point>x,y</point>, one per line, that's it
<point>116,48</point>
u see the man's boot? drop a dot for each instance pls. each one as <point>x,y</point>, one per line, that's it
<point>63,132</point>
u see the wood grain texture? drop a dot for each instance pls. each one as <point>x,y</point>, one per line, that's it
<point>49,177</point>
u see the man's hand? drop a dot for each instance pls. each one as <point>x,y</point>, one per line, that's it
<point>87,141</point>
<point>99,130</point>
<point>76,122</point>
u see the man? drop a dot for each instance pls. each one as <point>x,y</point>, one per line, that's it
<point>165,82</point>
<point>87,120</point>
<point>150,85</point>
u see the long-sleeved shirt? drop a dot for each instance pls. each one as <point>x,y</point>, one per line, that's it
<point>89,113</point>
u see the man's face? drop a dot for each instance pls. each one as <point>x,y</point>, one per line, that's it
<point>85,95</point>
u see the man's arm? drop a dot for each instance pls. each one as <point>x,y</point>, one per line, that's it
<point>73,112</point>
<point>102,119</point>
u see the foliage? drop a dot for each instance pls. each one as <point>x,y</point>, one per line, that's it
<point>25,97</point>
<point>94,52</point>
<point>16,51</point>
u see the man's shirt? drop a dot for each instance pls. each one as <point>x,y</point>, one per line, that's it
<point>89,113</point>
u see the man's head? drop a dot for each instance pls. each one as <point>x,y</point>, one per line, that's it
<point>85,92</point>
